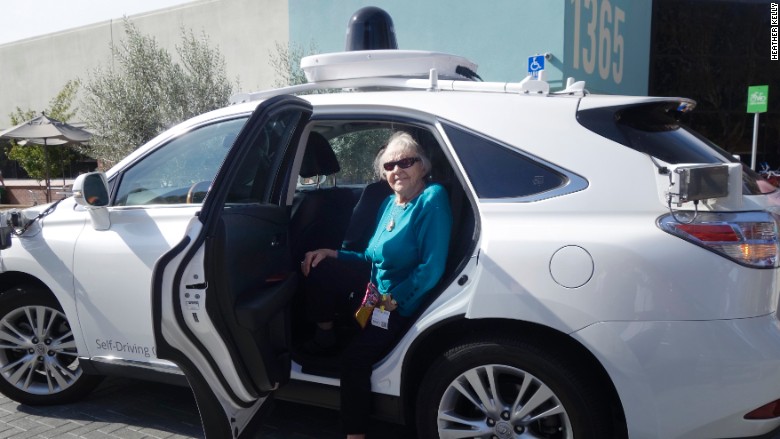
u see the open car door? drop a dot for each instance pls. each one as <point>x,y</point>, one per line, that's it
<point>220,298</point>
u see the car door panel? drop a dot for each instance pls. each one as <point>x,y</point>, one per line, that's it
<point>221,297</point>
<point>249,277</point>
<point>137,238</point>
<point>113,264</point>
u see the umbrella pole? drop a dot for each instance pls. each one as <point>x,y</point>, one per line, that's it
<point>46,166</point>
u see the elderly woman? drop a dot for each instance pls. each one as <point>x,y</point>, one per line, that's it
<point>407,255</point>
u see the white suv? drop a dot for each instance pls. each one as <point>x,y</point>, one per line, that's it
<point>611,273</point>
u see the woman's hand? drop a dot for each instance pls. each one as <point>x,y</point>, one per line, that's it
<point>388,303</point>
<point>312,258</point>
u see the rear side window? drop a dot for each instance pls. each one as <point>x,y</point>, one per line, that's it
<point>496,171</point>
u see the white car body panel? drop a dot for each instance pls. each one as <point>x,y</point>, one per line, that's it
<point>46,253</point>
<point>735,357</point>
<point>117,323</point>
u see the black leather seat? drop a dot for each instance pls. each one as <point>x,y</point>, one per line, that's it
<point>319,216</point>
<point>362,224</point>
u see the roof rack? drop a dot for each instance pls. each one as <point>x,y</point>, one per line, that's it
<point>402,69</point>
<point>528,86</point>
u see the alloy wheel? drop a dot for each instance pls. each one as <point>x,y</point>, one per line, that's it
<point>501,402</point>
<point>38,351</point>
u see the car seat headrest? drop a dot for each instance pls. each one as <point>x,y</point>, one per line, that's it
<point>319,158</point>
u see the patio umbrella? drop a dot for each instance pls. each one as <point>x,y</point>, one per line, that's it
<point>46,131</point>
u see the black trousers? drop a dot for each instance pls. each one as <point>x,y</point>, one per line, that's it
<point>336,287</point>
<point>368,347</point>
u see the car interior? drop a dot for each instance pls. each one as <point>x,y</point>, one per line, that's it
<point>335,206</point>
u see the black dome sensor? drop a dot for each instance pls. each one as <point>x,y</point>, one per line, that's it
<point>371,28</point>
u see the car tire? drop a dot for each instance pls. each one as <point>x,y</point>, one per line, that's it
<point>509,389</point>
<point>38,357</point>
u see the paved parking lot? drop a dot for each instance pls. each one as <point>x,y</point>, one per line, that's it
<point>130,409</point>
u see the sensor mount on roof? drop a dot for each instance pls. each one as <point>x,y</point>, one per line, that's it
<point>385,63</point>
<point>371,28</point>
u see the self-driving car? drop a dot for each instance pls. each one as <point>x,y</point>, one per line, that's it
<point>611,272</point>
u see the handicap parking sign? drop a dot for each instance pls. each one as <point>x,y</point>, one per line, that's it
<point>535,64</point>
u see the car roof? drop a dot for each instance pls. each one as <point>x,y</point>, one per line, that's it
<point>450,99</point>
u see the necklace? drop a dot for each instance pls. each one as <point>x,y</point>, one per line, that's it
<point>400,207</point>
<point>396,208</point>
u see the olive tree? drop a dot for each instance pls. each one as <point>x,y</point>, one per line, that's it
<point>145,90</point>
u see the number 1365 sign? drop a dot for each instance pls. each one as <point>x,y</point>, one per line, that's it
<point>607,39</point>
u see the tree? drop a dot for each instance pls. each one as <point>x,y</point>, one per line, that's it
<point>355,150</point>
<point>32,158</point>
<point>286,62</point>
<point>146,91</point>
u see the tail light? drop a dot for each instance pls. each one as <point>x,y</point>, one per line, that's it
<point>748,238</point>
<point>767,411</point>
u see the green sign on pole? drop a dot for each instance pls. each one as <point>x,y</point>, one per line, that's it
<point>758,98</point>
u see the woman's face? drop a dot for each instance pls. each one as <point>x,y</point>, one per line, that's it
<point>405,182</point>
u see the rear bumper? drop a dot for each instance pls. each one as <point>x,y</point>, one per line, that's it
<point>691,379</point>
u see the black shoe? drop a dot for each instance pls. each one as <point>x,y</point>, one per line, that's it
<point>323,343</point>
<point>313,347</point>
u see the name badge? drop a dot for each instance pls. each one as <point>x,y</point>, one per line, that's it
<point>380,318</point>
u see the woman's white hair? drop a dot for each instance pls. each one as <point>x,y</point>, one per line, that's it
<point>405,142</point>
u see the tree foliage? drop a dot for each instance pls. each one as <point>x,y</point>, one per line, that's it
<point>32,158</point>
<point>144,91</point>
<point>355,150</point>
<point>286,62</point>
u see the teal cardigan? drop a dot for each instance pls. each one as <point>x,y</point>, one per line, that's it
<point>408,250</point>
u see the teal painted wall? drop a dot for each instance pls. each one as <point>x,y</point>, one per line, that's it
<point>608,44</point>
<point>498,35</point>
<point>604,42</point>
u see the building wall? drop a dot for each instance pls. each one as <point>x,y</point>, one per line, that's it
<point>498,35</point>
<point>34,70</point>
<point>608,37</point>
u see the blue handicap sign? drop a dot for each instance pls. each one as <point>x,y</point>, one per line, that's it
<point>535,64</point>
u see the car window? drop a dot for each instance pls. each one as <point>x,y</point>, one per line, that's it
<point>181,170</point>
<point>257,177</point>
<point>496,171</point>
<point>655,129</point>
<point>355,152</point>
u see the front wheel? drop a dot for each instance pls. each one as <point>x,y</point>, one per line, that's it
<point>509,389</point>
<point>38,358</point>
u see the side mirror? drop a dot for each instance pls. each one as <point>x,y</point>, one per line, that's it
<point>91,190</point>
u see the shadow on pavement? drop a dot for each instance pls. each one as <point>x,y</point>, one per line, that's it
<point>130,408</point>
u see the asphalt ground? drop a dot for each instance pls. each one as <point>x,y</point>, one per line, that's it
<point>132,409</point>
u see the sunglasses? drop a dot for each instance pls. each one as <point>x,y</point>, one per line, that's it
<point>403,163</point>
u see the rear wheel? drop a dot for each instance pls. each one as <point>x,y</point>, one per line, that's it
<point>38,357</point>
<point>509,389</point>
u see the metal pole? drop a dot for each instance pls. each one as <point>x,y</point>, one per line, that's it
<point>755,142</point>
